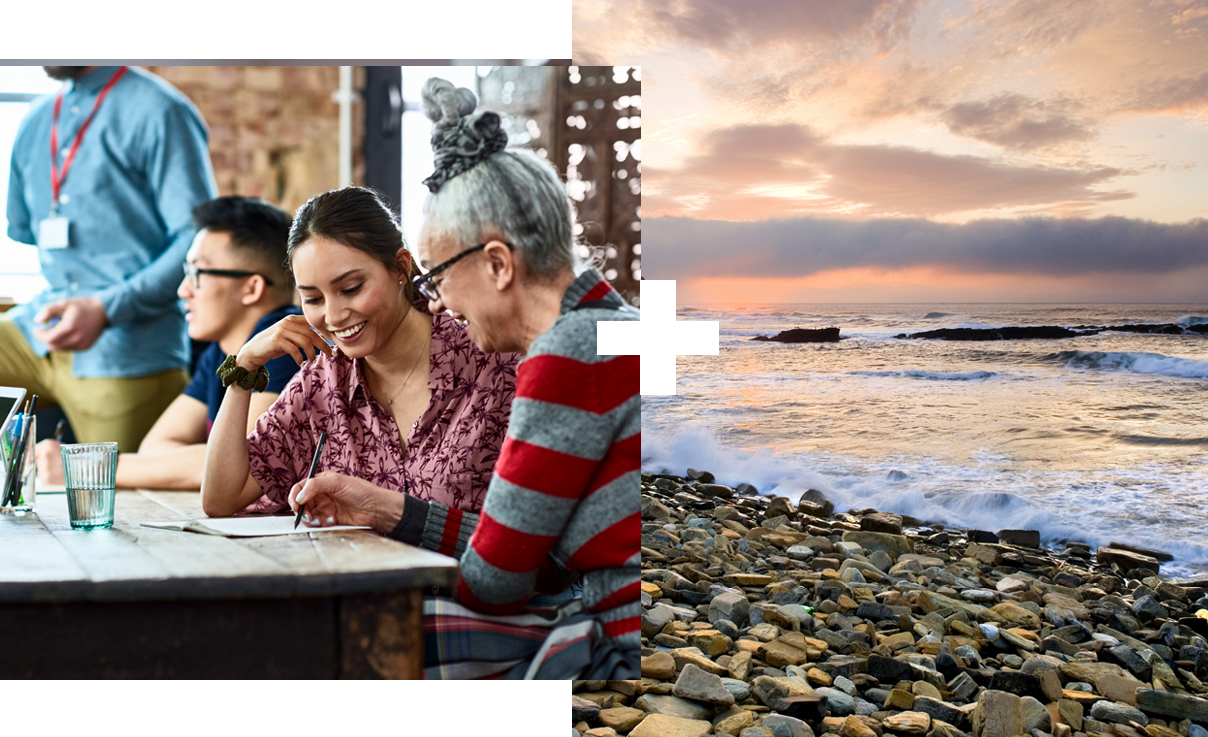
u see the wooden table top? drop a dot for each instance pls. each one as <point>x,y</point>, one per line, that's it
<point>43,560</point>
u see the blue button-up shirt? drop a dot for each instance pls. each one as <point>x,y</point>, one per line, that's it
<point>141,169</point>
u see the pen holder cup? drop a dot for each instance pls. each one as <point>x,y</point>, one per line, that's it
<point>21,500</point>
<point>89,473</point>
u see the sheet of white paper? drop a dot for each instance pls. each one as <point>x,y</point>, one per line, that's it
<point>246,526</point>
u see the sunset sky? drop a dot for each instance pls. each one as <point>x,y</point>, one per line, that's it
<point>918,150</point>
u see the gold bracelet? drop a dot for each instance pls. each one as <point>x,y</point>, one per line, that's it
<point>229,374</point>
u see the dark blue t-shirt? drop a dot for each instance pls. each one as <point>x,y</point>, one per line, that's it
<point>206,386</point>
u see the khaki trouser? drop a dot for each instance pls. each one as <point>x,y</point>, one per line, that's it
<point>99,410</point>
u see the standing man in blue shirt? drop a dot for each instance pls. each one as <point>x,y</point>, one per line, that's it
<point>104,178</point>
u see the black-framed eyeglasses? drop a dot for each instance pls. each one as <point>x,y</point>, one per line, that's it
<point>427,288</point>
<point>193,274</point>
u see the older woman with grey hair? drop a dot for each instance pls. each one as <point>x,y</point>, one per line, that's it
<point>498,251</point>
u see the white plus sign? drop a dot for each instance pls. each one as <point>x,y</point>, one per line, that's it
<point>658,337</point>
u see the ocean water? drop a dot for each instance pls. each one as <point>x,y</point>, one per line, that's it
<point>1096,438</point>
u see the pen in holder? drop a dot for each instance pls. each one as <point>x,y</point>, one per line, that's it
<point>18,469</point>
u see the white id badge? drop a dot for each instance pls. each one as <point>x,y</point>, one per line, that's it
<point>52,233</point>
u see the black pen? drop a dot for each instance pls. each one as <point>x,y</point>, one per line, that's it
<point>314,466</point>
<point>59,428</point>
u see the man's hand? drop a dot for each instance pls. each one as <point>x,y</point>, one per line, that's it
<point>81,322</point>
<point>49,461</point>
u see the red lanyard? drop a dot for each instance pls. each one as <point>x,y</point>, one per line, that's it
<point>57,179</point>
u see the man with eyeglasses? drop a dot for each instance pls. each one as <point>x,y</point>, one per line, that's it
<point>104,177</point>
<point>235,285</point>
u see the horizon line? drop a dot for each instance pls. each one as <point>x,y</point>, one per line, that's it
<point>724,304</point>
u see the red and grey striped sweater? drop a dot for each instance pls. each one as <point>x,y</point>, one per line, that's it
<point>565,492</point>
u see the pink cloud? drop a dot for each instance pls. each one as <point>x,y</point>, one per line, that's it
<point>735,164</point>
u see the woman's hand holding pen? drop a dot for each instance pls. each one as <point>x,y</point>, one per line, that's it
<point>290,336</point>
<point>335,499</point>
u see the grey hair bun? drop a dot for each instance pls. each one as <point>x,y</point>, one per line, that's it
<point>444,104</point>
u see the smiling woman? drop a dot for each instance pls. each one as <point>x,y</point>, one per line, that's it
<point>562,507</point>
<point>408,401</point>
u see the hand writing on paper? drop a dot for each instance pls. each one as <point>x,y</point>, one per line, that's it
<point>335,499</point>
<point>290,336</point>
<point>81,322</point>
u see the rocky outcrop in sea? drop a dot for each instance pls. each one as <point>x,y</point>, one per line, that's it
<point>763,618</point>
<point>803,335</point>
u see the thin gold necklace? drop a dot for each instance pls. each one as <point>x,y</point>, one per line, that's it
<point>419,355</point>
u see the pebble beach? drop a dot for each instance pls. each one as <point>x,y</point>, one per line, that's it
<point>765,618</point>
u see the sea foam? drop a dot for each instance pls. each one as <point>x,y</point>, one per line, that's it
<point>931,375</point>
<point>1137,363</point>
<point>1094,507</point>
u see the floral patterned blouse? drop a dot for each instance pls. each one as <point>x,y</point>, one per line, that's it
<point>451,448</point>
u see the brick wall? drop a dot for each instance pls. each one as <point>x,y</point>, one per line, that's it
<point>274,131</point>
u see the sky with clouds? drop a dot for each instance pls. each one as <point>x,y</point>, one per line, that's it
<point>918,150</point>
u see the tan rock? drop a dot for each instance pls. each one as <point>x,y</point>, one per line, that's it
<point>1028,635</point>
<point>783,538</point>
<point>779,654</point>
<point>1012,613</point>
<point>629,688</point>
<point>923,688</point>
<point>1080,697</point>
<point>748,646</point>
<point>794,639</point>
<point>926,602</point>
<point>685,655</point>
<point>940,728</point>
<point>1063,730</point>
<point>1071,713</point>
<point>1013,637</point>
<point>1091,672</point>
<point>733,721</point>
<point>603,699</point>
<point>898,641</point>
<point>996,715</point>
<point>846,603</point>
<point>601,732</point>
<point>711,642</point>
<point>740,665</point>
<point>982,553</point>
<point>661,725</point>
<point>653,589</point>
<point>621,718</point>
<point>1157,730</point>
<point>1050,684</point>
<point>1115,688</point>
<point>660,665</point>
<point>1067,602</point>
<point>853,726</point>
<point>899,699</point>
<point>895,545</point>
<point>1054,713</point>
<point>672,706</point>
<point>748,579</point>
<point>909,722</point>
<point>818,678</point>
<point>765,632</point>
